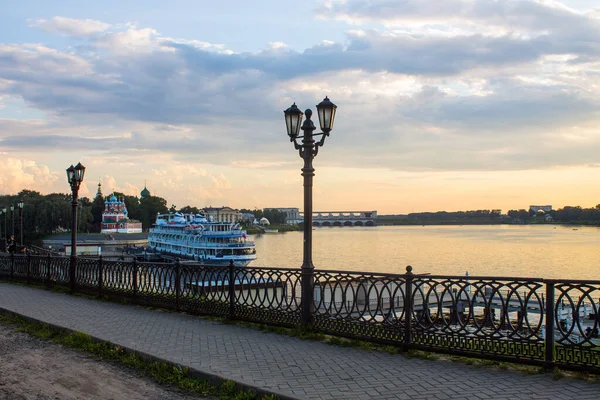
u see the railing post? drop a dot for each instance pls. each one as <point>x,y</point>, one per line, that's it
<point>100,275</point>
<point>549,360</point>
<point>408,307</point>
<point>231,290</point>
<point>48,269</point>
<point>135,280</point>
<point>12,266</point>
<point>177,283</point>
<point>28,256</point>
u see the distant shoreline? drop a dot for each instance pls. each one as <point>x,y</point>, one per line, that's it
<point>417,223</point>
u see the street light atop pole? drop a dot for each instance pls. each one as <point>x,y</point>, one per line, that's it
<point>20,204</point>
<point>308,149</point>
<point>74,177</point>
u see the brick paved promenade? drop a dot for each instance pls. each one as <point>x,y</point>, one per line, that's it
<point>282,364</point>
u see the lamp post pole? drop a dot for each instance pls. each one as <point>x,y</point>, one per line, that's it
<point>5,223</point>
<point>21,204</point>
<point>75,192</point>
<point>74,177</point>
<point>12,221</point>
<point>1,229</point>
<point>308,150</point>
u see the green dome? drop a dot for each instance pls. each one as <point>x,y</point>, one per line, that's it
<point>145,192</point>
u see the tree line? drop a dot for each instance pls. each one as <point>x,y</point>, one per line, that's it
<point>443,217</point>
<point>44,215</point>
<point>565,215</point>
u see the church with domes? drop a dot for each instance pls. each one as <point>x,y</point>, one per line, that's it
<point>115,219</point>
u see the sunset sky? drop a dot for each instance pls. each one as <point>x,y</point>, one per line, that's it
<point>442,104</point>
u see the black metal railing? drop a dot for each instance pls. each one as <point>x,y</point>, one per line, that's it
<point>529,320</point>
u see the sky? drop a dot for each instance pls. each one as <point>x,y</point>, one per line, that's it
<point>442,104</point>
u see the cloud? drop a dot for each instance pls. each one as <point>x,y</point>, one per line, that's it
<point>18,174</point>
<point>494,17</point>
<point>220,181</point>
<point>136,74</point>
<point>70,26</point>
<point>110,185</point>
<point>470,85</point>
<point>179,172</point>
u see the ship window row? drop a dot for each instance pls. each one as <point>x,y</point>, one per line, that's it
<point>197,243</point>
<point>199,239</point>
<point>208,252</point>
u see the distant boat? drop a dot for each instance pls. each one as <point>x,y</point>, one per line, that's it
<point>194,237</point>
<point>271,231</point>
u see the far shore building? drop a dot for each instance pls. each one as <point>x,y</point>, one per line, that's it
<point>292,214</point>
<point>248,218</point>
<point>115,219</point>
<point>535,209</point>
<point>223,214</point>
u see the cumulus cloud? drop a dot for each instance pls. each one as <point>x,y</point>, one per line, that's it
<point>18,174</point>
<point>437,86</point>
<point>523,16</point>
<point>70,26</point>
<point>179,171</point>
<point>220,181</point>
<point>136,74</point>
<point>109,184</point>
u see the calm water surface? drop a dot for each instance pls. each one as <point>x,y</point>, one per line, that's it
<point>542,251</point>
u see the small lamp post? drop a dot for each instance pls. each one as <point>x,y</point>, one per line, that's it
<point>5,228</point>
<point>12,221</point>
<point>2,235</point>
<point>74,177</point>
<point>20,204</point>
<point>308,150</point>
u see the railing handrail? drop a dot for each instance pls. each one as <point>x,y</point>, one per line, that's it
<point>461,278</point>
<point>549,322</point>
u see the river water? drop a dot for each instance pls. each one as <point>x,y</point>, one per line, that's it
<point>538,251</point>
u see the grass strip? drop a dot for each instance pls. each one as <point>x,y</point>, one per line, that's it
<point>162,373</point>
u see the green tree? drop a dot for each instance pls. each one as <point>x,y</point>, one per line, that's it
<point>149,207</point>
<point>274,216</point>
<point>189,210</point>
<point>97,210</point>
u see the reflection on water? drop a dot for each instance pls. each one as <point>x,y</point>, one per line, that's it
<point>542,251</point>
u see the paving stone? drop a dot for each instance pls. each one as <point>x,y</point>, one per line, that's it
<point>283,364</point>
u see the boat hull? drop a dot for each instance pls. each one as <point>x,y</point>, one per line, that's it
<point>213,262</point>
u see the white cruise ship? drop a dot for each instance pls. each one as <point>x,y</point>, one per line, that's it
<point>193,237</point>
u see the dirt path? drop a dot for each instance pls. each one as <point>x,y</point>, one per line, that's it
<point>32,369</point>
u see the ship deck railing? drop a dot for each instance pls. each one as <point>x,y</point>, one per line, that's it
<point>236,233</point>
<point>205,245</point>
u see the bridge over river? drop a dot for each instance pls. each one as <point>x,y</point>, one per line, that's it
<point>344,218</point>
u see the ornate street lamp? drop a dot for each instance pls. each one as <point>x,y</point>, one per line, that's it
<point>74,177</point>
<point>308,150</point>
<point>20,204</point>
